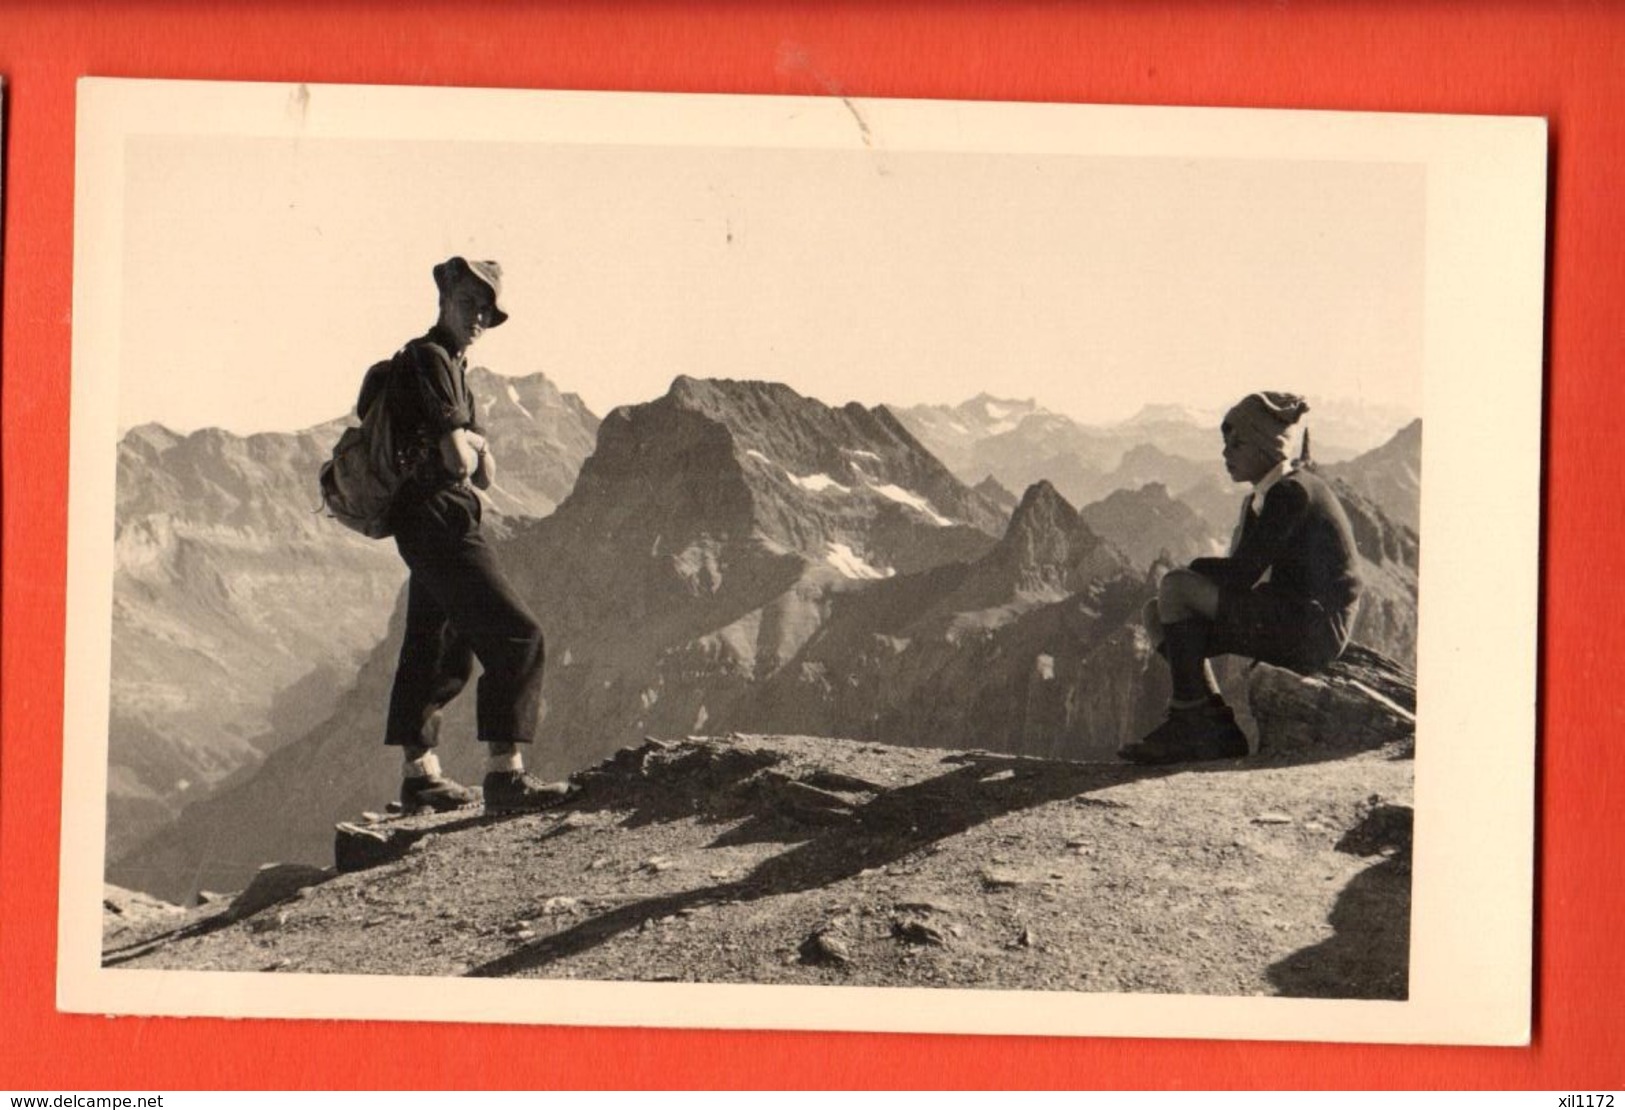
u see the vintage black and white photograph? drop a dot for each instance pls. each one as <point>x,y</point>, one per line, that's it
<point>709,554</point>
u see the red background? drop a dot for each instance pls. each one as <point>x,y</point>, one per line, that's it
<point>1565,61</point>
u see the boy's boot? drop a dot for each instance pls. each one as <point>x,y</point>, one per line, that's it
<point>1191,734</point>
<point>1200,725</point>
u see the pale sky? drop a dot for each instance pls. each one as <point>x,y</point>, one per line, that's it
<point>262,276</point>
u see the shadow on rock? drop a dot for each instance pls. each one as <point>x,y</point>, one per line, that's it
<point>892,825</point>
<point>1369,954</point>
<point>122,954</point>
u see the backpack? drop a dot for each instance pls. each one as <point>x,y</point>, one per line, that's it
<point>360,481</point>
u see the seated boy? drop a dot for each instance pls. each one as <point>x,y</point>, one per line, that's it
<point>1286,594</point>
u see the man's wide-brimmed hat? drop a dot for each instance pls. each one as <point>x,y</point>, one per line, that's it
<point>489,274</point>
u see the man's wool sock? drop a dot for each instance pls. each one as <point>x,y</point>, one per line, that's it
<point>507,760</point>
<point>424,766</point>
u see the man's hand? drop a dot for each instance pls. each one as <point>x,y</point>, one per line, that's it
<point>467,455</point>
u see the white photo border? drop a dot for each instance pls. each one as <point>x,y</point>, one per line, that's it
<point>1472,907</point>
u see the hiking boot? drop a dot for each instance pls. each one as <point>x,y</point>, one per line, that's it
<point>1180,720</point>
<point>434,792</point>
<point>519,792</point>
<point>1191,735</point>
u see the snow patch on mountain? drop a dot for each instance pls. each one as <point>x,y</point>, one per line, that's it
<point>1001,418</point>
<point>513,395</point>
<point>904,497</point>
<point>818,483</point>
<point>913,501</point>
<point>812,483</point>
<point>851,564</point>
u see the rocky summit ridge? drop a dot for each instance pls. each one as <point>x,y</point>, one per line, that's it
<point>750,458</point>
<point>798,860</point>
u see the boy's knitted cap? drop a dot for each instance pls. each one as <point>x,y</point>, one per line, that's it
<point>1265,420</point>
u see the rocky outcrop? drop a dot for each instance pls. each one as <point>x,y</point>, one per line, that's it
<point>804,861</point>
<point>124,910</point>
<point>1362,702</point>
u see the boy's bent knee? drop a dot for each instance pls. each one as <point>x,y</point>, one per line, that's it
<point>1173,588</point>
<point>1183,594</point>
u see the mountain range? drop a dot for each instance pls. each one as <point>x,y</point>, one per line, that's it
<point>737,557</point>
<point>1021,442</point>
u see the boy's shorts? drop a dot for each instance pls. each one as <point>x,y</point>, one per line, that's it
<point>1284,629</point>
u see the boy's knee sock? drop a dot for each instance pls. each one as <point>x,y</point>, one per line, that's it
<point>1185,645</point>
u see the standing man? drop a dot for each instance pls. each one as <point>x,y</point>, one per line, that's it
<point>459,607</point>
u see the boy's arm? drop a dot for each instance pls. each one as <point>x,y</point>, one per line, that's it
<point>1274,532</point>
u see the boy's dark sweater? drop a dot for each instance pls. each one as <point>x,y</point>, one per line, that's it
<point>1302,538</point>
